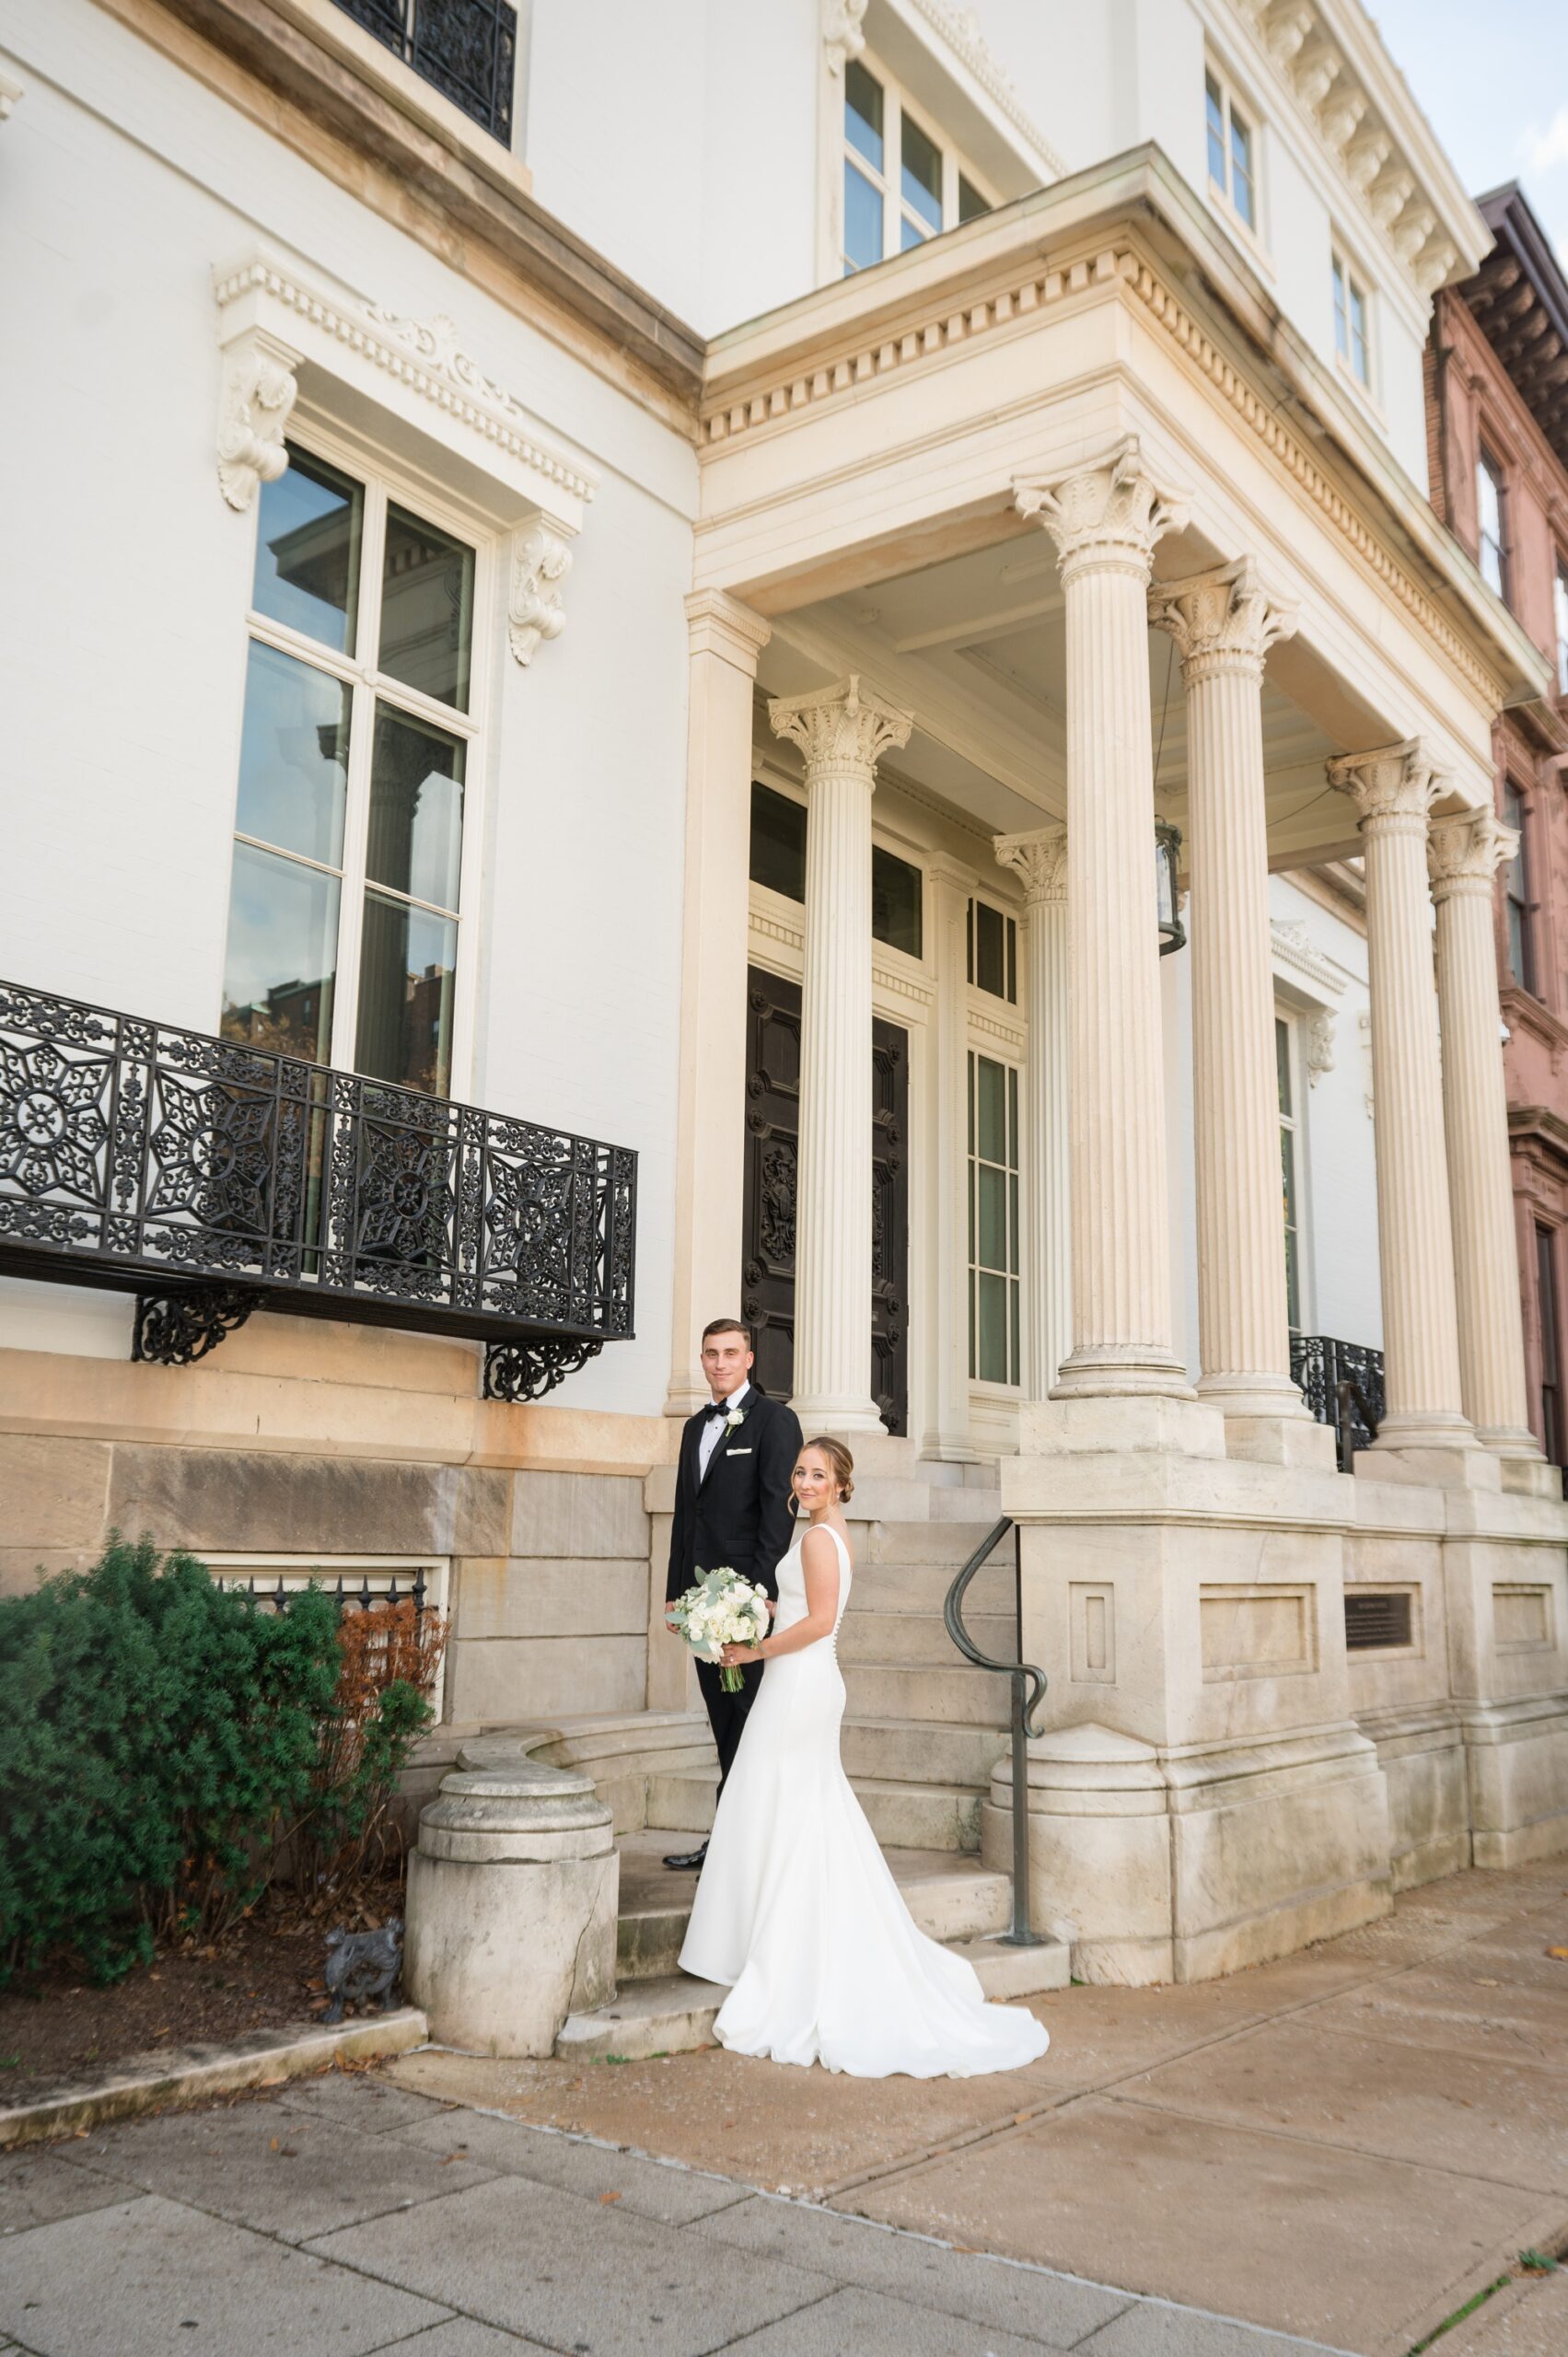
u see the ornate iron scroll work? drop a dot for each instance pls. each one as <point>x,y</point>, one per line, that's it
<point>465,49</point>
<point>1343,1384</point>
<point>211,1178</point>
<point>518,1371</point>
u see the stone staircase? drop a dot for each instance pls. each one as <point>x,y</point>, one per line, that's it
<point>921,1731</point>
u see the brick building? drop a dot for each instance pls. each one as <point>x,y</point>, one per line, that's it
<point>1497,380</point>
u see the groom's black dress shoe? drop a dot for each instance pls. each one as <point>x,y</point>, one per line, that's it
<point>687,1858</point>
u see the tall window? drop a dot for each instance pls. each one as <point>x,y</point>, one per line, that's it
<point>1350,321</point>
<point>993,951</point>
<point>1232,166</point>
<point>993,1221</point>
<point>1551,1344</point>
<point>1560,618</point>
<point>1289,1175</point>
<point>1516,887</point>
<point>355,747</point>
<point>1488,504</point>
<point>902,184</point>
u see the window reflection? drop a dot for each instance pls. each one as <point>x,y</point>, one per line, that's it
<point>280,969</point>
<point>426,610</point>
<point>407,973</point>
<point>294,756</point>
<point>307,541</point>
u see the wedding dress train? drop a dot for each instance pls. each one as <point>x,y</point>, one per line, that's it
<point>799,1912</point>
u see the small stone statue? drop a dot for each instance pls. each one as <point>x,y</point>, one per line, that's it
<point>362,1965</point>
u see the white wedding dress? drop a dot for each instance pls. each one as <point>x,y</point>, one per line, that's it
<point>797,1910</point>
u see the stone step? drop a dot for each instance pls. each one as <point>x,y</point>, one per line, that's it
<point>957,1695</point>
<point>896,1751</point>
<point>902,1816</point>
<point>674,2013</point>
<point>941,1541</point>
<point>920,1639</point>
<point>923,1588</point>
<point>951,1895</point>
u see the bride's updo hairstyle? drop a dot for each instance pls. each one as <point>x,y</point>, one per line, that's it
<point>841,1464</point>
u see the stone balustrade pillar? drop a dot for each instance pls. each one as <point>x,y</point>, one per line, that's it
<point>1224,623</point>
<point>840,733</point>
<point>1393,789</point>
<point>1105,518</point>
<point>1041,858</point>
<point>724,640</point>
<point>1464,852</point>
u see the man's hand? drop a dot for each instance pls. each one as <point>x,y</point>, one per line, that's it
<point>772,1606</point>
<point>668,1621</point>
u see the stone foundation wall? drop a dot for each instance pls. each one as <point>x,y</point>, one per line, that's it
<point>549,1571</point>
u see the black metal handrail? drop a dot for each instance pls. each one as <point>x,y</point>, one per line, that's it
<point>1343,1384</point>
<point>1028,1693</point>
<point>212,1178</point>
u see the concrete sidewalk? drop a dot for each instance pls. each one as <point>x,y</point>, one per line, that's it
<point>347,2215</point>
<point>1347,2145</point>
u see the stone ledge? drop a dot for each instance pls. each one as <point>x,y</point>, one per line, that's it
<point>191,2073</point>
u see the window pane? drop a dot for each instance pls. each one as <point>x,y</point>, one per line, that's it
<point>282,954</point>
<point>862,113</point>
<point>1358,332</point>
<point>308,536</point>
<point>426,610</point>
<point>991,1107</point>
<point>895,902</point>
<point>408,962</point>
<point>992,1321</point>
<point>778,843</point>
<point>863,220</point>
<point>921,174</point>
<point>415,842</point>
<point>910,233</point>
<point>1241,168</point>
<point>990,950</point>
<point>294,756</point>
<point>971,204</point>
<point>1282,1063</point>
<point>1341,319</point>
<point>992,1206</point>
<point>1214,118</point>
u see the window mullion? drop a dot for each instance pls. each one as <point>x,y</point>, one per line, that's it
<point>351,920</point>
<point>893,148</point>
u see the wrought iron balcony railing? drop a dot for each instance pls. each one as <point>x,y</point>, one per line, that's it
<point>465,49</point>
<point>1343,1384</point>
<point>211,1180</point>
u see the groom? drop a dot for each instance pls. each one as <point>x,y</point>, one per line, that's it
<point>732,1510</point>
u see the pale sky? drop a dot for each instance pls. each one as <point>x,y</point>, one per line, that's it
<point>1491,77</point>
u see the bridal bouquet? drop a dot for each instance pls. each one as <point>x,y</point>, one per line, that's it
<point>722,1609</point>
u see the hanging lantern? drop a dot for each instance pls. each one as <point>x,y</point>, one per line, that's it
<point>1167,854</point>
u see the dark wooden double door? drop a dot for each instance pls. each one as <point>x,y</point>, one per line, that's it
<point>773,1140</point>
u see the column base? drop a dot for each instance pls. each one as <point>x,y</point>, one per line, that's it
<point>1531,1476</point>
<point>1441,1453</point>
<point>838,1417</point>
<point>1181,1865</point>
<point>682,1400</point>
<point>1109,1426</point>
<point>1119,1371</point>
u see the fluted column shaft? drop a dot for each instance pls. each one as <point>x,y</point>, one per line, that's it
<point>1393,790</point>
<point>841,734</point>
<point>726,640</point>
<point>1224,624</point>
<point>1464,854</point>
<point>1041,858</point>
<point>1105,519</point>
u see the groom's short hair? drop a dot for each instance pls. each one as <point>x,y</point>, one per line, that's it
<point>727,1326</point>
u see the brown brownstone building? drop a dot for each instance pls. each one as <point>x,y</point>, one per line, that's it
<point>1497,423</point>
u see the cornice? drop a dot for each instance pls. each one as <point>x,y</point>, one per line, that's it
<point>959,31</point>
<point>1292,948</point>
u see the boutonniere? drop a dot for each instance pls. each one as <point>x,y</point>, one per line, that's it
<point>733,1421</point>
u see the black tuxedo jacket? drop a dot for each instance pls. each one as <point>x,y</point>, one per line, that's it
<point>740,1516</point>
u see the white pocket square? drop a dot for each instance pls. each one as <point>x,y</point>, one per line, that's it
<point>738,1452</point>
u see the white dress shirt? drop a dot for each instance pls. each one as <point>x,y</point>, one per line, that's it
<point>713,1431</point>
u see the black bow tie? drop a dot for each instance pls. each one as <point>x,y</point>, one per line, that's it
<point>719,1408</point>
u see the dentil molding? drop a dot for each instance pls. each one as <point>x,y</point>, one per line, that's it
<point>1293,949</point>
<point>281,335</point>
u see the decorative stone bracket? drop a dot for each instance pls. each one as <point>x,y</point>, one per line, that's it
<point>286,340</point>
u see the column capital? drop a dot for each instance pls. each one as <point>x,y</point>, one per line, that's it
<point>1465,851</point>
<point>1106,513</point>
<point>839,728</point>
<point>1393,786</point>
<point>718,623</point>
<point>1222,621</point>
<point>1041,858</point>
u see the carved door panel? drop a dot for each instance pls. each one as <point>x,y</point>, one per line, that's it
<point>772,1133</point>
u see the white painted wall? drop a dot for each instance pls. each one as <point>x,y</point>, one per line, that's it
<point>123,638</point>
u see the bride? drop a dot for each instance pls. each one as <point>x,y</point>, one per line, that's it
<point>796,1909</point>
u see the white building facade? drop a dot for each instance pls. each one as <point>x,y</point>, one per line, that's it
<point>658,573</point>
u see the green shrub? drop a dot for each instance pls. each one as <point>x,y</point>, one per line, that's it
<point>155,1732</point>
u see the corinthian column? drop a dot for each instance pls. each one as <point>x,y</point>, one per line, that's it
<point>1041,858</point>
<point>1105,519</point>
<point>1393,789</point>
<point>1224,624</point>
<point>1463,856</point>
<point>840,733</point>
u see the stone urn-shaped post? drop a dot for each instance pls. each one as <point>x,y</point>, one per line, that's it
<point>512,1899</point>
